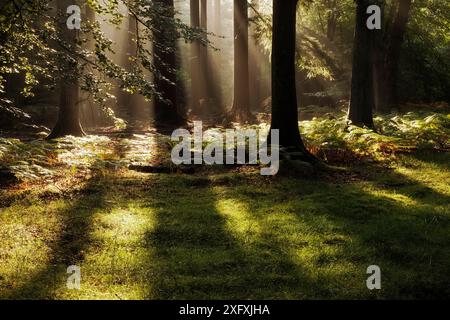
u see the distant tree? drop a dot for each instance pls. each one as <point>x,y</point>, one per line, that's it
<point>332,20</point>
<point>217,56</point>
<point>256,59</point>
<point>241,102</point>
<point>389,51</point>
<point>204,67</point>
<point>165,61</point>
<point>284,95</point>
<point>195,57</point>
<point>127,100</point>
<point>69,95</point>
<point>362,100</point>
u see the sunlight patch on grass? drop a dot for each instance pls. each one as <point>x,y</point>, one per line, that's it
<point>232,236</point>
<point>239,222</point>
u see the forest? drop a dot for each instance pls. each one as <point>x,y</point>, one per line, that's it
<point>224,149</point>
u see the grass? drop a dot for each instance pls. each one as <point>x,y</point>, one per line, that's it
<point>231,235</point>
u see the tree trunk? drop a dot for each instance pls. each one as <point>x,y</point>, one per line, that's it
<point>89,104</point>
<point>241,103</point>
<point>332,22</point>
<point>392,56</point>
<point>256,59</point>
<point>204,67</point>
<point>127,101</point>
<point>284,94</point>
<point>165,60</point>
<point>378,62</point>
<point>69,109</point>
<point>195,57</point>
<point>362,99</point>
<point>217,57</point>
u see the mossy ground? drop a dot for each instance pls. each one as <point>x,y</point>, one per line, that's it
<point>232,235</point>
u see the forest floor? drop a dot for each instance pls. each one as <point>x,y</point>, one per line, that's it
<point>221,233</point>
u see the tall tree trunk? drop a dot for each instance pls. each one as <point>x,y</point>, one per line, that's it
<point>284,94</point>
<point>69,109</point>
<point>378,61</point>
<point>395,40</point>
<point>362,99</point>
<point>241,102</point>
<point>89,105</point>
<point>205,70</point>
<point>165,60</point>
<point>217,57</point>
<point>255,61</point>
<point>332,21</point>
<point>204,15</point>
<point>127,101</point>
<point>195,57</point>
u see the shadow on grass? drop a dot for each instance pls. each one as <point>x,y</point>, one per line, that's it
<point>396,182</point>
<point>354,228</point>
<point>196,256</point>
<point>255,238</point>
<point>68,248</point>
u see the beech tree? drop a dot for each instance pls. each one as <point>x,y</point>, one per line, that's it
<point>241,101</point>
<point>164,51</point>
<point>125,99</point>
<point>284,94</point>
<point>362,100</point>
<point>195,57</point>
<point>389,51</point>
<point>69,95</point>
<point>217,57</point>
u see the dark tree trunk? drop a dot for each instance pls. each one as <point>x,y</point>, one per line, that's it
<point>362,99</point>
<point>206,86</point>
<point>255,61</point>
<point>89,105</point>
<point>195,57</point>
<point>388,93</point>
<point>69,109</point>
<point>165,60</point>
<point>128,101</point>
<point>332,21</point>
<point>217,56</point>
<point>241,102</point>
<point>378,56</point>
<point>204,15</point>
<point>284,94</point>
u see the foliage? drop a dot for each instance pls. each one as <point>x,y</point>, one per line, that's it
<point>334,140</point>
<point>41,159</point>
<point>330,138</point>
<point>425,64</point>
<point>31,45</point>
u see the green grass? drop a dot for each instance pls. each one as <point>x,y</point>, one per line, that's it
<point>233,235</point>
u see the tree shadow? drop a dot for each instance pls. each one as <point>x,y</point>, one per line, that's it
<point>397,182</point>
<point>68,248</point>
<point>197,256</point>
<point>239,237</point>
<point>353,229</point>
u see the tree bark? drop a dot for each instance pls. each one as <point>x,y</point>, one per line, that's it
<point>165,60</point>
<point>362,99</point>
<point>195,57</point>
<point>89,105</point>
<point>378,62</point>
<point>388,92</point>
<point>284,95</point>
<point>69,109</point>
<point>217,57</point>
<point>332,21</point>
<point>255,62</point>
<point>241,102</point>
